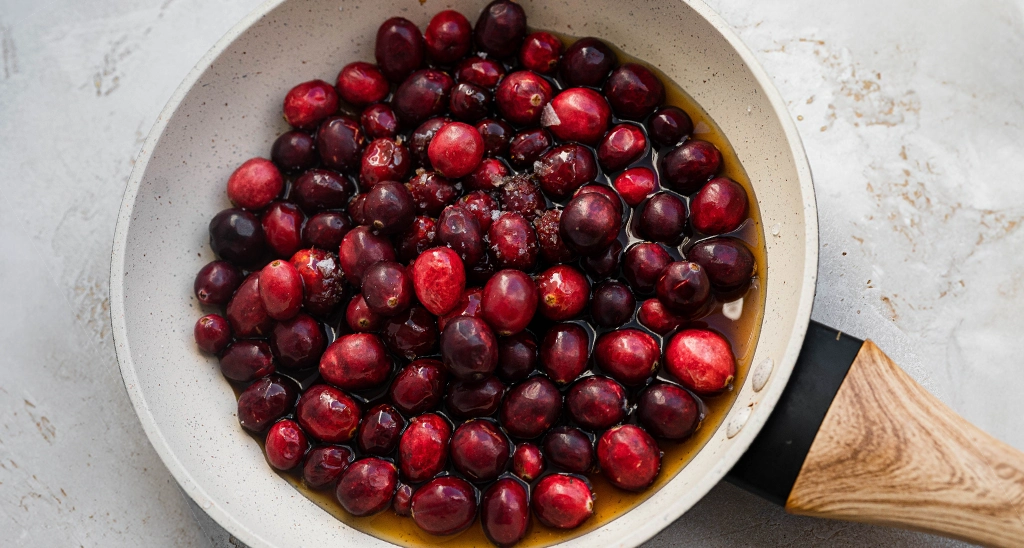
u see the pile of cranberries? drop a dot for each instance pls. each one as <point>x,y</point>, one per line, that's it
<point>451,289</point>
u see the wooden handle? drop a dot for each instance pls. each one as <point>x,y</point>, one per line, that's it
<point>890,453</point>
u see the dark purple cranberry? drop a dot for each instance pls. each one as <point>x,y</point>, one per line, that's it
<point>485,73</point>
<point>513,242</point>
<point>517,356</point>
<point>387,288</point>
<point>362,84</point>
<point>564,293</point>
<point>578,114</point>
<point>431,192</point>
<point>728,262</point>
<point>308,103</point>
<point>326,229</point>
<point>448,37</point>
<point>562,501</point>
<point>328,414</point>
<point>469,102</point>
<point>423,448</point>
<point>356,361</point>
<point>216,282</point>
<point>643,265</point>
<point>474,399</point>
<point>505,512</point>
<point>528,146</point>
<point>522,96</point>
<point>399,48</point>
<point>719,207</point>
<point>212,333</point>
<point>496,135</point>
<point>635,184</point>
<point>569,449</point>
<point>469,348</point>
<point>527,462</point>
<point>325,464</point>
<point>612,304</point>
<point>509,301</point>
<point>629,457</point>
<point>265,401</point>
<point>564,352</point>
<point>419,237</point>
<point>562,170</point>
<point>380,430</point>
<point>367,486</point>
<point>540,52</point>
<point>360,318</point>
<point>294,151</point>
<point>456,150</point>
<point>479,450</point>
<point>285,445</point>
<point>589,224</point>
<point>389,207</point>
<point>623,145</point>
<point>690,165</point>
<point>245,311</point>
<point>629,356</point>
<point>444,505</point>
<point>411,333</point>
<point>604,264</point>
<point>669,125</point>
<point>355,209</point>
<point>424,94</point>
<point>402,504</point>
<point>459,230</point>
<point>552,249</point>
<point>467,305</point>
<point>482,205</point>
<point>319,189</point>
<point>281,290</point>
<point>236,235</point>
<point>587,62</point>
<point>439,277</point>
<point>379,121</point>
<point>500,30</point>
<point>530,408</point>
<point>359,249</point>
<point>384,160</point>
<point>668,412</point>
<point>340,142</point>
<point>634,91</point>
<point>282,225</point>
<point>489,175</point>
<point>654,316</point>
<point>663,219</point>
<point>243,361</point>
<point>418,387</point>
<point>521,195</point>
<point>684,288</point>
<point>597,403</point>
<point>603,190</point>
<point>420,139</point>
<point>322,280</point>
<point>298,343</point>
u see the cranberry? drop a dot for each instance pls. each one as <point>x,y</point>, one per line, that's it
<point>500,29</point>
<point>380,430</point>
<point>701,359</point>
<point>578,114</point>
<point>482,205</point>
<point>643,265</point>
<point>265,401</point>
<point>468,305</point>
<point>728,262</point>
<point>540,53</point>
<point>527,147</point>
<point>587,62</point>
<point>402,504</point>
<point>367,486</point>
<point>285,445</point>
<point>361,248</point>
<point>690,165</point>
<point>530,408</point>
<point>418,387</point>
<point>629,356</point>
<point>517,356</point>
<point>521,97</point>
<point>552,249</point>
<point>564,351</point>
<point>236,236</point>
<point>564,169</point>
<point>282,223</point>
<point>479,450</point>
<point>569,449</point>
<point>597,403</point>
<point>663,219</point>
<point>444,505</point>
<point>245,311</point>
<point>613,304</point>
<point>362,84</point>
<point>328,414</point>
<point>469,348</point>
<point>669,125</point>
<point>635,185</point>
<point>423,448</point>
<point>360,318</point>
<point>564,292</point>
<point>603,190</point>
<point>419,237</point>
<point>399,49</point>
<point>513,242</point>
<point>684,288</point>
<point>629,457</point>
<point>355,209</point>
<point>356,361</point>
<point>527,462</point>
<point>439,277</point>
<point>634,91</point>
<point>420,139</point>
<point>294,151</point>
<point>456,150</point>
<point>244,361</point>
<point>326,229</point>
<point>385,160</point>
<point>424,94</point>
<point>297,343</point>
<point>387,288</point>
<point>379,121</point>
<point>389,207</point>
<point>505,512</point>
<point>281,290</point>
<point>308,103</point>
<point>604,264</point>
<point>340,142</point>
<point>216,282</point>
<point>322,280</point>
<point>623,145</point>
<point>325,464</point>
<point>469,102</point>
<point>431,193</point>
<point>319,189</point>
<point>509,301</point>
<point>562,501</point>
<point>489,175</point>
<point>485,73</point>
<point>496,135</point>
<point>521,195</point>
<point>459,230</point>
<point>653,315</point>
<point>589,224</point>
<point>448,37</point>
<point>474,399</point>
<point>411,333</point>
<point>719,207</point>
<point>667,411</point>
<point>212,333</point>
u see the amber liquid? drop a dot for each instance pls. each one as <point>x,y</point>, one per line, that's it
<point>611,502</point>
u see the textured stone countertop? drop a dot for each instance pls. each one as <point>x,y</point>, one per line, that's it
<point>912,113</point>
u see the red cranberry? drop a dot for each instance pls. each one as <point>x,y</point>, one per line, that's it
<point>285,445</point>
<point>325,464</point>
<point>540,53</point>
<point>603,190</point>
<point>424,94</point>
<point>389,207</point>
<point>444,505</point>
<point>308,103</point>
<point>355,209</point>
<point>468,305</point>
<point>552,249</point>
<point>282,224</point>
<point>728,262</point>
<point>459,230</point>
<point>527,462</point>
<point>322,280</point>
<point>420,139</point>
<point>367,486</point>
<point>340,142</point>
<point>456,150</point>
<point>439,277</point>
<point>469,102</point>
<point>530,408</point>
<point>643,265</point>
<point>564,292</point>
<point>719,207</point>
<point>629,356</point>
<point>597,403</point>
<point>265,401</point>
<point>418,387</point>
<point>469,348</point>
<point>569,449</point>
<point>527,147</point>
<point>402,504</point>
<point>482,205</point>
<point>431,193</point>
<point>380,430</point>
<point>212,333</point>
<point>419,237</point>
<point>521,97</point>
<point>360,318</point>
<point>629,457</point>
<point>216,282</point>
<point>690,165</point>
<point>669,125</point>
<point>496,135</point>
<point>362,84</point>
<point>653,315</point>
<point>412,333</point>
<point>326,229</point>
<point>294,151</point>
<point>479,450</point>
<point>663,219</point>
<point>521,195</point>
<point>298,343</point>
<point>489,175</point>
<point>509,301</point>
<point>384,160</point>
<point>604,264</point>
<point>500,29</point>
<point>361,248</point>
<point>634,91</point>
<point>448,37</point>
<point>387,288</point>
<point>667,411</point>
<point>281,290</point>
<point>236,236</point>
<point>684,288</point>
<point>505,512</point>
<point>623,145</point>
<point>578,114</point>
<point>328,414</point>
<point>474,399</point>
<point>635,185</point>
<point>379,121</point>
<point>701,359</point>
<point>564,169</point>
<point>245,311</point>
<point>399,49</point>
<point>423,448</point>
<point>562,501</point>
<point>485,73</point>
<point>356,361</point>
<point>517,356</point>
<point>587,62</point>
<point>564,351</point>
<point>319,189</point>
<point>589,224</point>
<point>513,242</point>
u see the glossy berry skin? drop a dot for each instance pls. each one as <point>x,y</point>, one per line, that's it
<point>420,139</point>
<point>519,194</point>
<point>297,343</point>
<point>479,450</point>
<point>521,98</point>
<point>728,262</point>
<point>578,114</point>
<point>663,219</point>
<point>265,401</point>
<point>322,280</point>
<point>294,151</point>
<point>527,462</point>
<point>456,150</point>
<point>668,412</point>
<point>654,316</point>
<point>285,445</point>
<point>530,408</point>
<point>448,37</point>
<point>643,264</point>
<point>603,190</point>
<point>500,29</point>
<point>589,224</point>
<point>690,165</point>
<point>629,356</point>
<point>245,311</point>
<point>505,512</point>
<point>237,236</point>
<point>418,387</point>
<point>552,249</point>
<point>701,359</point>
<point>361,248</point>
<point>596,403</point>
<point>496,135</point>
<point>367,486</point>
<point>629,457</point>
<point>328,414</point>
<point>379,121</point>
<point>528,146</point>
<point>444,505</point>
<point>439,278</point>
<point>517,356</point>
<point>478,71</point>
<point>509,302</point>
<point>603,264</point>
<point>669,125</point>
<point>513,242</point>
<point>623,145</point>
<point>308,103</point>
<point>431,192</point>
<point>487,176</point>
<point>469,102</point>
<point>419,237</point>
<point>684,288</point>
<point>468,305</point>
<point>281,290</point>
<point>380,430</point>
<point>474,399</point>
<point>356,361</point>
<point>216,282</point>
<point>355,209</point>
<point>360,318</point>
<point>612,304</point>
<point>325,464</point>
<point>564,352</point>
<point>540,53</point>
<point>482,205</point>
<point>564,293</point>
<point>387,288</point>
<point>320,189</point>
<point>587,62</point>
<point>423,95</point>
<point>212,333</point>
<point>361,84</point>
<point>423,448</point>
<point>384,160</point>
<point>326,229</point>
<point>244,361</point>
<point>411,333</point>
<point>469,348</point>
<point>399,48</point>
<point>719,207</point>
<point>569,449</point>
<point>340,142</point>
<point>634,91</point>
<point>402,505</point>
<point>562,501</point>
<point>562,170</point>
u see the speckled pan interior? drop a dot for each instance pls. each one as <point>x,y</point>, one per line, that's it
<point>228,110</point>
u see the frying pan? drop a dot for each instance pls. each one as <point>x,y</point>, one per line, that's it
<point>825,424</point>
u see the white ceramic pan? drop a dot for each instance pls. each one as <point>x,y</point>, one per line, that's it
<point>886,452</point>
